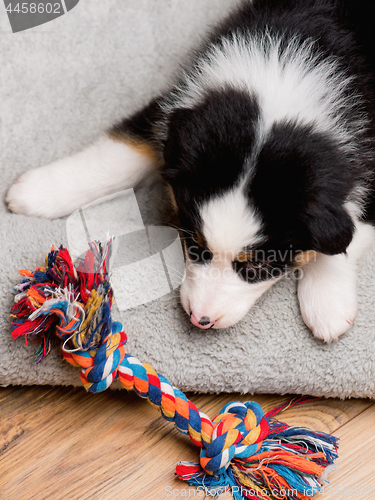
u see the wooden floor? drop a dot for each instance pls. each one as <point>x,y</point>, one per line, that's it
<point>63,444</point>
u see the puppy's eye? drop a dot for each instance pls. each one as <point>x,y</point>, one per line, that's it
<point>254,264</point>
<point>253,270</point>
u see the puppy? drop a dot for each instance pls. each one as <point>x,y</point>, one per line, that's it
<point>266,139</point>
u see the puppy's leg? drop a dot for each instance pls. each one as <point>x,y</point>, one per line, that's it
<point>327,290</point>
<point>116,161</point>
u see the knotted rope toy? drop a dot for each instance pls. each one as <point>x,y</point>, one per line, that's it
<point>242,449</point>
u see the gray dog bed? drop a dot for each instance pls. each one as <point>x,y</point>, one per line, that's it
<point>65,82</point>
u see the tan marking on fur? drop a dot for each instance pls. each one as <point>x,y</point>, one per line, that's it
<point>142,147</point>
<point>172,197</point>
<point>302,258</point>
<point>244,256</point>
<point>200,239</point>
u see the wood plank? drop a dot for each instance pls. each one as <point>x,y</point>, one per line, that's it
<point>355,476</point>
<point>63,443</point>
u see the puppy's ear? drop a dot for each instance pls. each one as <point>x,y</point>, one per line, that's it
<point>301,184</point>
<point>330,228</point>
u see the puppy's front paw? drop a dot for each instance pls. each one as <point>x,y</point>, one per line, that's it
<point>329,321</point>
<point>41,192</point>
<point>328,307</point>
<point>25,195</point>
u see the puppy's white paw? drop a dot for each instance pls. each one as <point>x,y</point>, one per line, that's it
<point>330,318</point>
<point>328,300</point>
<point>42,193</point>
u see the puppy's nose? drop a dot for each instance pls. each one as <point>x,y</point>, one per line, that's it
<point>203,323</point>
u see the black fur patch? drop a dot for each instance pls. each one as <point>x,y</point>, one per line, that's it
<point>207,145</point>
<point>301,183</point>
<point>141,125</point>
<point>207,148</point>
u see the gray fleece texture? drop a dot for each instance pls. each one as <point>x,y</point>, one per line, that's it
<point>62,84</point>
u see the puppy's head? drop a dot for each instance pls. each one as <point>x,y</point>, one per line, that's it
<point>253,203</point>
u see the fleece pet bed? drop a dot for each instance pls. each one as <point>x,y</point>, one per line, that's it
<point>62,84</point>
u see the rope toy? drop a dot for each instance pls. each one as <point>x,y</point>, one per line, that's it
<point>242,449</point>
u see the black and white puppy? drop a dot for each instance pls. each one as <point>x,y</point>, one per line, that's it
<point>267,141</point>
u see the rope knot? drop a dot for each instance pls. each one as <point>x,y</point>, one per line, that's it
<point>238,432</point>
